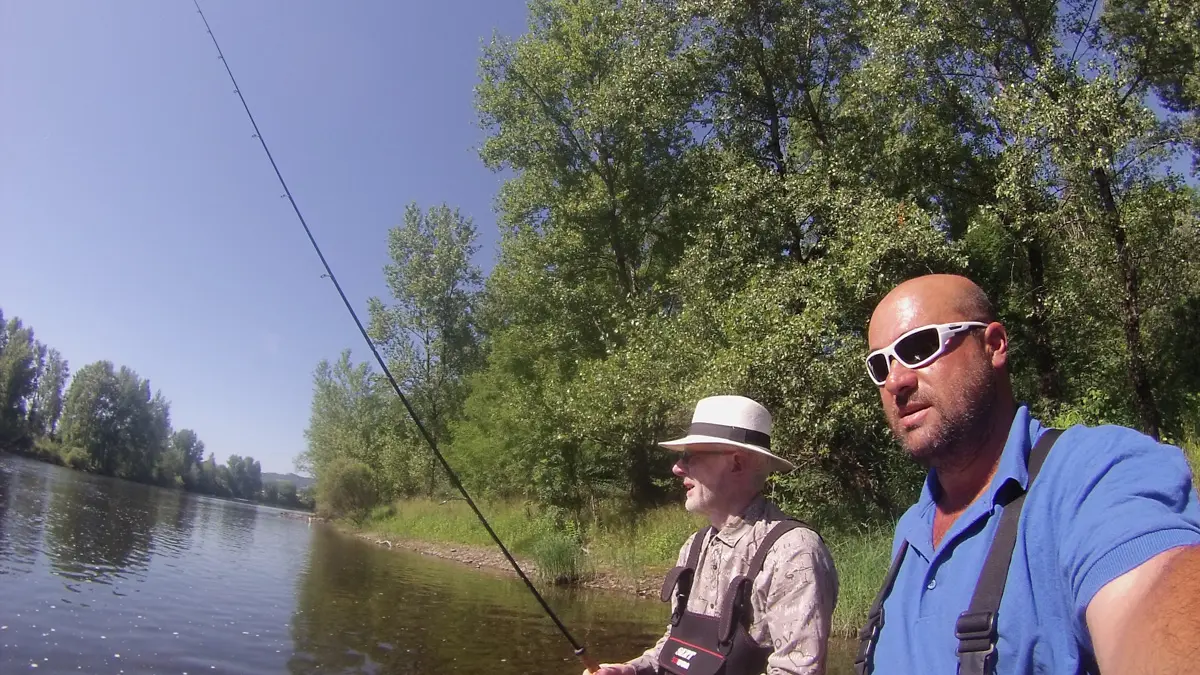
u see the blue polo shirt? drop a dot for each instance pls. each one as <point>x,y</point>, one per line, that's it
<point>1107,499</point>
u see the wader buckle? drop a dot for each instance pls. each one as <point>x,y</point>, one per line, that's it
<point>868,637</point>
<point>976,633</point>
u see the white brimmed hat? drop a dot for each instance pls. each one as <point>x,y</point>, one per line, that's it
<point>731,420</point>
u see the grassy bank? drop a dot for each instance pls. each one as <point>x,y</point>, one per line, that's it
<point>636,552</point>
<point>561,551</point>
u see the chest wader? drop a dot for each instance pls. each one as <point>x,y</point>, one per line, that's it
<point>715,645</point>
<point>976,627</point>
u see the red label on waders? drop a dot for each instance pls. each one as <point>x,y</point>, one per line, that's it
<point>682,657</point>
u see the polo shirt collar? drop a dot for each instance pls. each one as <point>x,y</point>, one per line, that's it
<point>1014,461</point>
<point>1013,466</point>
<point>737,528</point>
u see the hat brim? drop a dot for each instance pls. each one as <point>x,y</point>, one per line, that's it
<point>680,444</point>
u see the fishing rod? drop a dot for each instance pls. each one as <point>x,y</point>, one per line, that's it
<point>580,651</point>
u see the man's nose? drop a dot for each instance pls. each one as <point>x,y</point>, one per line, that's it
<point>900,380</point>
<point>678,469</point>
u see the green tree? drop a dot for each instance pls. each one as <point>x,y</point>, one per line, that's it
<point>115,419</point>
<point>1083,182</point>
<point>210,479</point>
<point>185,452</point>
<point>286,490</point>
<point>710,196</point>
<point>245,477</point>
<point>427,334</point>
<point>351,419</point>
<point>49,395</point>
<point>593,112</point>
<point>19,363</point>
<point>88,422</point>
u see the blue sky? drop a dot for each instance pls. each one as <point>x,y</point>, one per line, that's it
<point>141,223</point>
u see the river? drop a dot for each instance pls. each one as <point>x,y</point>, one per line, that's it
<point>105,576</point>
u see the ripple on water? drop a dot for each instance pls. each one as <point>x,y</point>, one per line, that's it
<point>179,583</point>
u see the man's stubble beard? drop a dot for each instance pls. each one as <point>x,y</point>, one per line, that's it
<point>956,439</point>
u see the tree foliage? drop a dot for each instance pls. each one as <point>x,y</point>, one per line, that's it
<point>428,333</point>
<point>22,359</point>
<point>709,196</point>
<point>108,421</point>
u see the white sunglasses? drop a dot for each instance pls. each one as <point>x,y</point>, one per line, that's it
<point>916,348</point>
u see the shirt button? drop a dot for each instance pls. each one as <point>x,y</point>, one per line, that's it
<point>932,584</point>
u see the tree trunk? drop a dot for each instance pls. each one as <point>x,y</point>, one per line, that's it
<point>1049,387</point>
<point>1130,308</point>
<point>641,485</point>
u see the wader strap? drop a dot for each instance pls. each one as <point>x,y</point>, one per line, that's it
<point>976,627</point>
<point>679,579</point>
<point>869,635</point>
<point>764,547</point>
<point>697,546</point>
<point>736,603</point>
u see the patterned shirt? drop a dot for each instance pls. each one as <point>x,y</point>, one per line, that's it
<point>793,598</point>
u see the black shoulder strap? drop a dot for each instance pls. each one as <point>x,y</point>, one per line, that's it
<point>976,627</point>
<point>679,579</point>
<point>736,602</point>
<point>697,546</point>
<point>764,547</point>
<point>869,635</point>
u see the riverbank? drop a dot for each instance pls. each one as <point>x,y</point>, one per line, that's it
<point>619,554</point>
<point>491,560</point>
<point>216,477</point>
<point>625,553</point>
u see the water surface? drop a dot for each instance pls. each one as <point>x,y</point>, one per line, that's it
<point>105,576</point>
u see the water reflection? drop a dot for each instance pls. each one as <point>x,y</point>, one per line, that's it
<point>117,577</point>
<point>101,575</point>
<point>98,534</point>
<point>23,500</point>
<point>237,525</point>
<point>364,609</point>
<point>174,521</point>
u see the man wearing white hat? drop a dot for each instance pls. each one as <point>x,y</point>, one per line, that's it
<point>755,592</point>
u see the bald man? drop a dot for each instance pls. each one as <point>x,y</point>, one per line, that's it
<point>1103,525</point>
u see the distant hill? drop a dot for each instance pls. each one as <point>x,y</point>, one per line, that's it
<point>299,481</point>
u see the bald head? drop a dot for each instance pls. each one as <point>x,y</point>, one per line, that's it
<point>938,298</point>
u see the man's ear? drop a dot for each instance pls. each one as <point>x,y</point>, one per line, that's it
<point>995,338</point>
<point>739,462</point>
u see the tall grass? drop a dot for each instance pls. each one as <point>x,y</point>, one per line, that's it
<point>453,522</point>
<point>526,532</point>
<point>643,545</point>
<point>560,559</point>
<point>564,552</point>
<point>1191,449</point>
<point>862,560</point>
<point>632,548</point>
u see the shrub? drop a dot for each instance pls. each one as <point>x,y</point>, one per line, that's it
<point>346,489</point>
<point>77,458</point>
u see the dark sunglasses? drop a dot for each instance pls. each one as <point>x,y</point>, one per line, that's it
<point>916,348</point>
<point>687,456</point>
